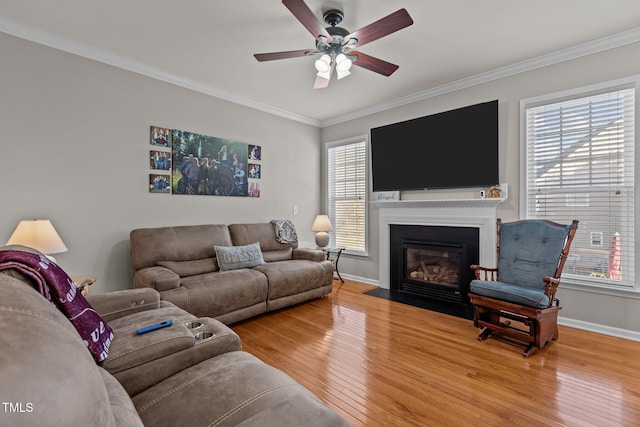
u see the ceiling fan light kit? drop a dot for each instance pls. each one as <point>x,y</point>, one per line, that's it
<point>343,64</point>
<point>336,45</point>
<point>323,64</point>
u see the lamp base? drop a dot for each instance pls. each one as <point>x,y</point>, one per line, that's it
<point>322,239</point>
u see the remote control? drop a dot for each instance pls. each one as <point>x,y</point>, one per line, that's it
<point>150,328</point>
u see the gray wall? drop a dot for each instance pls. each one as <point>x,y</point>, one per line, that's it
<point>75,150</point>
<point>590,309</point>
<point>75,147</point>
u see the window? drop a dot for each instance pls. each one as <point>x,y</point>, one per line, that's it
<point>347,194</point>
<point>580,164</point>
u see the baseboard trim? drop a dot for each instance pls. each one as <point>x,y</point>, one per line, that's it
<point>600,329</point>
<point>360,279</point>
<point>564,321</point>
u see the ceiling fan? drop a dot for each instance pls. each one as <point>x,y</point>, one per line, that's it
<point>335,45</point>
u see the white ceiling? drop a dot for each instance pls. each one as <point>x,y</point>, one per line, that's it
<point>209,45</point>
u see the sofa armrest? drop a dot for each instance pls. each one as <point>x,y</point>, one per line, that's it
<point>158,278</point>
<point>310,254</point>
<point>113,305</point>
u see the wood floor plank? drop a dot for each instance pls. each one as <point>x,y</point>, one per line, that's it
<point>382,363</point>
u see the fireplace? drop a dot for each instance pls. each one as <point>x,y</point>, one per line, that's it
<point>433,262</point>
<point>453,217</point>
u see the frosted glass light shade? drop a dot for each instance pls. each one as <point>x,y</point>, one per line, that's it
<point>323,64</point>
<point>38,234</point>
<point>343,63</point>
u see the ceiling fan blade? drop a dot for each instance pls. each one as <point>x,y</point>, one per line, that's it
<point>301,11</point>
<point>283,55</point>
<point>374,64</point>
<point>382,27</point>
<point>320,83</point>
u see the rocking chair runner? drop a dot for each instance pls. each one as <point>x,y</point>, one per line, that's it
<point>531,256</point>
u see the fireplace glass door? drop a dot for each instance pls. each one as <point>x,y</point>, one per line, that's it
<point>433,264</point>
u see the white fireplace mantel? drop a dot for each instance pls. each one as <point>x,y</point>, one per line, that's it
<point>438,203</point>
<point>478,213</point>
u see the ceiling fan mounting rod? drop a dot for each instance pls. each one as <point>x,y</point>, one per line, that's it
<point>333,17</point>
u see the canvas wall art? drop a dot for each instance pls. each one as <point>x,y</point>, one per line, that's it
<point>207,165</point>
<point>161,136</point>
<point>160,160</point>
<point>160,183</point>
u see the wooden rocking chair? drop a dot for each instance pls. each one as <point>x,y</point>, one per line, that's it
<point>531,256</point>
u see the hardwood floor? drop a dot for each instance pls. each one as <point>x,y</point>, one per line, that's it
<point>382,363</point>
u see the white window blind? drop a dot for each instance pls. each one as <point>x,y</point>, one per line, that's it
<point>347,195</point>
<point>580,165</point>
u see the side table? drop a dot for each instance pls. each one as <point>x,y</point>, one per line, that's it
<point>84,283</point>
<point>333,255</point>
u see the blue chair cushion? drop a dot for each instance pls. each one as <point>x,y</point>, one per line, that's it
<point>529,251</point>
<point>530,297</point>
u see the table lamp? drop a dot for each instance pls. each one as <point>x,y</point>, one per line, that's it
<point>38,234</point>
<point>322,226</point>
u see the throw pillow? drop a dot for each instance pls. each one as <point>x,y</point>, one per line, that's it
<point>233,257</point>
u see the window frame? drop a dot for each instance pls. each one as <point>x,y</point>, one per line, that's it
<point>325,182</point>
<point>573,281</point>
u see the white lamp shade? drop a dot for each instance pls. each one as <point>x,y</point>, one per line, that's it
<point>38,234</point>
<point>321,223</point>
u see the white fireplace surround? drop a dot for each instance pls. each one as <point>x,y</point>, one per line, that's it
<point>475,213</point>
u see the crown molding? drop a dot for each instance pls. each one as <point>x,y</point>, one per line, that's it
<point>80,49</point>
<point>83,50</point>
<point>584,49</point>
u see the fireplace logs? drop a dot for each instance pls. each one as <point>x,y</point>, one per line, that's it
<point>437,269</point>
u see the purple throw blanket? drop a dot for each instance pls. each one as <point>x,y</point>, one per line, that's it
<point>57,287</point>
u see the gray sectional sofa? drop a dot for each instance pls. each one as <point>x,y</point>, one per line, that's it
<point>192,373</point>
<point>184,264</point>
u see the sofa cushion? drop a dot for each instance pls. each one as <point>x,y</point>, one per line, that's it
<point>57,287</point>
<point>45,363</point>
<point>234,257</point>
<point>124,413</point>
<point>213,294</point>
<point>515,294</point>
<point>130,349</point>
<point>180,243</point>
<point>281,255</point>
<point>157,277</point>
<point>263,233</point>
<point>247,392</point>
<point>191,268</point>
<point>292,277</point>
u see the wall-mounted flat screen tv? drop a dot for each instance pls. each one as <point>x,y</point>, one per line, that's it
<point>452,149</point>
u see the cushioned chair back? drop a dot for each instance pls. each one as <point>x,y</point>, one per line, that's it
<point>529,251</point>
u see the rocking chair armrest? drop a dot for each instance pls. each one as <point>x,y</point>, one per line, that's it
<point>551,280</point>
<point>551,286</point>
<point>485,273</point>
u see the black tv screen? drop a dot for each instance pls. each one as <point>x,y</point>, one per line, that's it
<point>453,149</point>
